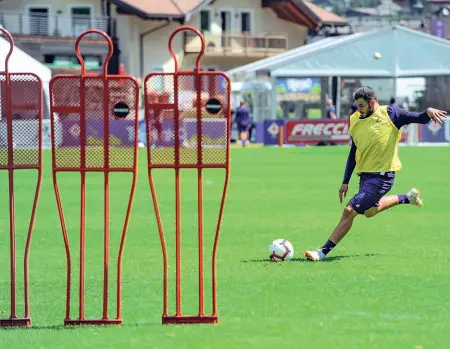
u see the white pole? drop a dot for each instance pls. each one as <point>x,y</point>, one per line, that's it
<point>338,98</point>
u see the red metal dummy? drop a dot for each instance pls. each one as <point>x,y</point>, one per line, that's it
<point>189,112</point>
<point>94,119</point>
<point>20,149</point>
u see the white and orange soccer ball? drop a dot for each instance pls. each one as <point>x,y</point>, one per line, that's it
<point>281,250</point>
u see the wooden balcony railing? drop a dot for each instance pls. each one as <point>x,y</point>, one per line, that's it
<point>238,44</point>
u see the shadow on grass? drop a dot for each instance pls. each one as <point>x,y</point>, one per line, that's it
<point>72,328</point>
<point>34,327</point>
<point>304,260</point>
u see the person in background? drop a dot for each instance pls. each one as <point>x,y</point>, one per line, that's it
<point>352,108</point>
<point>331,110</point>
<point>243,122</point>
<point>251,129</point>
<point>405,104</point>
<point>392,102</point>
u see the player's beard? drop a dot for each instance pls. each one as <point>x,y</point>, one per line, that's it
<point>369,112</point>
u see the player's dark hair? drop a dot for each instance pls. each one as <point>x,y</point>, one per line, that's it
<point>366,93</point>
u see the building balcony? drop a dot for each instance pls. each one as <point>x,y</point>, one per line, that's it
<point>237,45</point>
<point>38,28</point>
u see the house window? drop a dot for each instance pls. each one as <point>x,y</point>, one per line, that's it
<point>71,61</point>
<point>246,22</point>
<point>49,59</point>
<point>225,18</point>
<point>39,20</point>
<point>81,19</point>
<point>205,21</point>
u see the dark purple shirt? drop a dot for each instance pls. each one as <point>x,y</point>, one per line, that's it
<point>399,117</point>
<point>242,116</point>
<point>331,109</point>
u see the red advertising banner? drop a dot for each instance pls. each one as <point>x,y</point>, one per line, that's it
<point>406,133</point>
<point>315,131</point>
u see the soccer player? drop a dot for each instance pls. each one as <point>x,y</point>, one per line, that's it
<point>375,134</point>
<point>243,121</point>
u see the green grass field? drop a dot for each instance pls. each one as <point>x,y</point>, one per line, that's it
<point>384,286</point>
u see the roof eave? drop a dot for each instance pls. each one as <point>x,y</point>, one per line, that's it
<point>162,16</point>
<point>182,18</point>
<point>335,23</point>
<point>308,11</point>
<point>316,18</point>
<point>129,8</point>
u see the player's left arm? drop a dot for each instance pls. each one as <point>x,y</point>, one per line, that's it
<point>401,117</point>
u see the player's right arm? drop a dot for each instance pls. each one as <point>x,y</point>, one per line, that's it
<point>349,167</point>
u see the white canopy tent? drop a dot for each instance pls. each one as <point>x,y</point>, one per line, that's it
<point>21,62</point>
<point>391,52</point>
<point>403,53</point>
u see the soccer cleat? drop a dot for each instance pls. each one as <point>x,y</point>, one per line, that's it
<point>315,256</point>
<point>413,196</point>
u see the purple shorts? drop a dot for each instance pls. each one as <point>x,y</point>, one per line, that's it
<point>242,128</point>
<point>372,187</point>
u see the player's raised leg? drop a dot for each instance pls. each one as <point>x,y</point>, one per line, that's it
<point>412,197</point>
<point>358,205</point>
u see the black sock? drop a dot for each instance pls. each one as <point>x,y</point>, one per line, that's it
<point>329,245</point>
<point>403,199</point>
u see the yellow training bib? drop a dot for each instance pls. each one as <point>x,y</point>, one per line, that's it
<point>376,139</point>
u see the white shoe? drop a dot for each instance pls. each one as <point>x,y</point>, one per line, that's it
<point>315,256</point>
<point>413,196</point>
